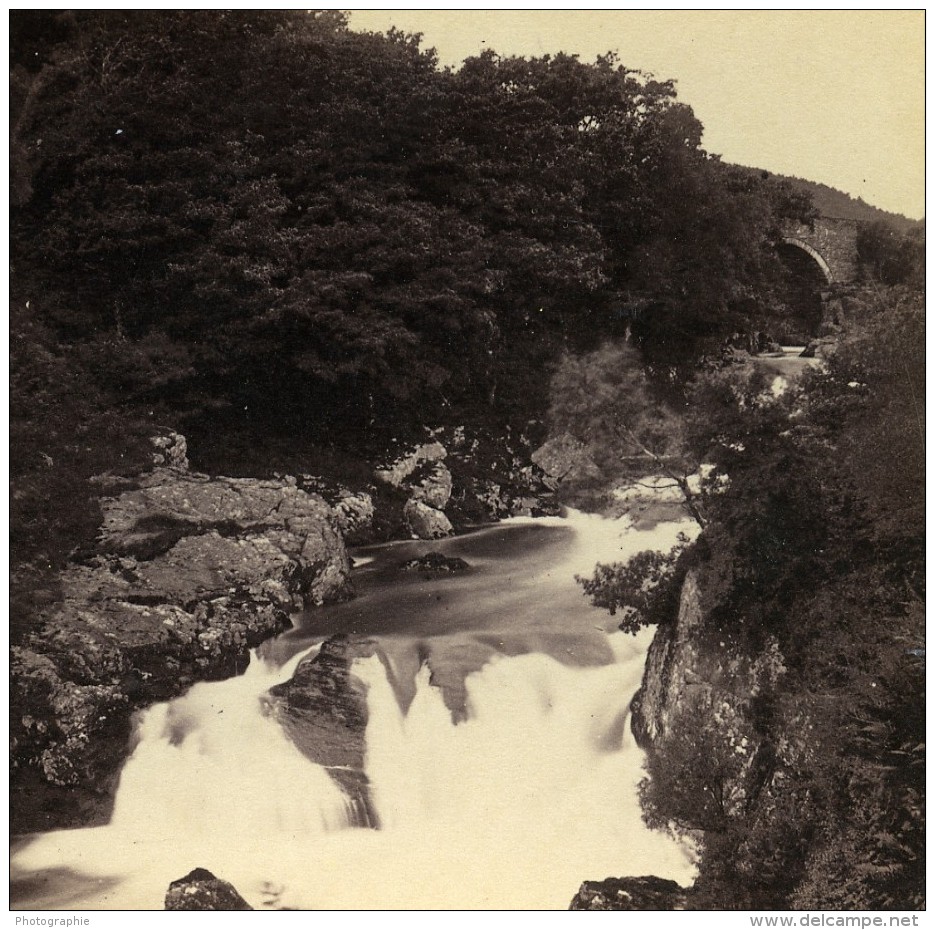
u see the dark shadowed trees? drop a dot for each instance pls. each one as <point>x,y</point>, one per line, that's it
<point>315,218</point>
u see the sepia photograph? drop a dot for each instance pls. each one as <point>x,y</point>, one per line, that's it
<point>467,460</point>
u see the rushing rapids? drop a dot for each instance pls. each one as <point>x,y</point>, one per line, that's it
<point>497,749</point>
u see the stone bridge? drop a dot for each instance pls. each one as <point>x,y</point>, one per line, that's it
<point>831,242</point>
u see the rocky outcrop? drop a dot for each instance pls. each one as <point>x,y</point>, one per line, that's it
<point>646,893</point>
<point>672,669</point>
<point>701,702</point>
<point>353,512</point>
<point>423,474</point>
<point>692,674</point>
<point>200,890</point>
<point>435,563</point>
<point>735,746</point>
<point>696,712</point>
<point>426,522</point>
<point>189,573</point>
<point>277,519</point>
<point>323,708</point>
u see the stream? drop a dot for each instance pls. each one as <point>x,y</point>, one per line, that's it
<point>498,750</point>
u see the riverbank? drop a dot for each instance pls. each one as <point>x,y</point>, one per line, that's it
<point>188,573</point>
<point>781,707</point>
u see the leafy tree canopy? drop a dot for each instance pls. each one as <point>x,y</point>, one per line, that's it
<point>310,212</point>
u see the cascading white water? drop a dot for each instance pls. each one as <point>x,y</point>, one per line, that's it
<point>513,806</point>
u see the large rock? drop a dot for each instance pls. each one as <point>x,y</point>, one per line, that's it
<point>428,481</point>
<point>286,523</point>
<point>323,708</point>
<point>190,573</point>
<point>400,470</point>
<point>170,451</point>
<point>354,512</point>
<point>565,458</point>
<point>702,687</point>
<point>432,485</point>
<point>200,890</point>
<point>426,522</point>
<point>646,893</point>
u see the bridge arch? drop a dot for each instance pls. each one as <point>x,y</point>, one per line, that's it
<point>814,253</point>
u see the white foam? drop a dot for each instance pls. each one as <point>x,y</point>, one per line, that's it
<point>510,808</point>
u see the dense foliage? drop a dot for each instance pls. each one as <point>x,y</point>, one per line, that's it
<point>606,400</point>
<point>812,562</point>
<point>891,257</point>
<point>289,216</point>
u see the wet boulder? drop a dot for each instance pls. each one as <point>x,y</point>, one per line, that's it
<point>645,893</point>
<point>323,709</point>
<point>435,563</point>
<point>426,522</point>
<point>201,890</point>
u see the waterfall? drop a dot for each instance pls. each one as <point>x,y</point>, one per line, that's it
<point>511,804</point>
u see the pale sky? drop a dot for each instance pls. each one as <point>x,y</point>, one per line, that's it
<point>832,96</point>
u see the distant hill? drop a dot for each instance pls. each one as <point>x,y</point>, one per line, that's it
<point>831,202</point>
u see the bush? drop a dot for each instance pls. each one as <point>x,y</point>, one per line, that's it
<point>645,588</point>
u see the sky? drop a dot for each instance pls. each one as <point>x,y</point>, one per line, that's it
<point>832,96</point>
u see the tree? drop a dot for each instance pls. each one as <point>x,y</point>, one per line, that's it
<point>317,217</point>
<point>604,399</point>
<point>889,257</point>
<point>645,588</point>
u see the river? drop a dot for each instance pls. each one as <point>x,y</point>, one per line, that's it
<point>498,750</point>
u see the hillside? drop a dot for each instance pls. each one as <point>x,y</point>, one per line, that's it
<point>833,203</point>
